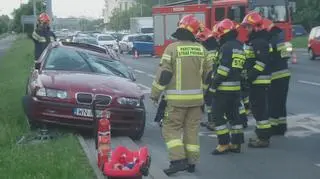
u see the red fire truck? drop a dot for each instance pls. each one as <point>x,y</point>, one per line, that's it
<point>166,17</point>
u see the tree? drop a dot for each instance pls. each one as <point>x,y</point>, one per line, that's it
<point>4,23</point>
<point>307,13</point>
<point>25,9</point>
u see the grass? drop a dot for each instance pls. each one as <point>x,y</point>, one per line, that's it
<point>59,159</point>
<point>300,42</point>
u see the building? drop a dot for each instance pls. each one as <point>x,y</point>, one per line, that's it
<point>111,5</point>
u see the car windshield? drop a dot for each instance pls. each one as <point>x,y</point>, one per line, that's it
<point>70,59</point>
<point>274,13</point>
<point>105,38</point>
<point>117,67</point>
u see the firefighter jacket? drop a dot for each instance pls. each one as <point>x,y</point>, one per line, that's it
<point>227,77</point>
<point>212,47</point>
<point>258,58</point>
<point>181,73</point>
<point>42,38</point>
<point>281,52</point>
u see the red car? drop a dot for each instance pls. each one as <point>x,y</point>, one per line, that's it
<point>69,76</point>
<point>314,43</point>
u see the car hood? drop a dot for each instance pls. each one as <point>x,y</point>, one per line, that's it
<point>91,83</point>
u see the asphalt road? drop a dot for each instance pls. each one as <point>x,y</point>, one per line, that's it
<point>5,44</point>
<point>295,156</point>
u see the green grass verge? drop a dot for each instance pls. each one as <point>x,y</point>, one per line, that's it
<point>58,159</point>
<point>300,42</point>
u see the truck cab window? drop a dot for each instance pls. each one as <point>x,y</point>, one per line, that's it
<point>236,13</point>
<point>219,13</point>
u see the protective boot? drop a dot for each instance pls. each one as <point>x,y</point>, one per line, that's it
<point>191,168</point>
<point>258,143</point>
<point>235,148</point>
<point>221,149</point>
<point>176,166</point>
<point>279,130</point>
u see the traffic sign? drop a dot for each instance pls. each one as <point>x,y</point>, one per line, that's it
<point>28,19</point>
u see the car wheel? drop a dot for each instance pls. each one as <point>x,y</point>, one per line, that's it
<point>311,54</point>
<point>137,135</point>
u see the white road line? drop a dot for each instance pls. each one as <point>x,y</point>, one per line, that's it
<point>315,130</point>
<point>309,83</point>
<point>317,164</point>
<point>152,76</point>
<point>139,71</point>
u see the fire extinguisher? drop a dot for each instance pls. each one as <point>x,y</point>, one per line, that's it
<point>104,140</point>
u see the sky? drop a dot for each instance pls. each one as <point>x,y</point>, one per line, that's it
<point>62,8</point>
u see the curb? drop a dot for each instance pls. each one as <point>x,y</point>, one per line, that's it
<point>154,170</point>
<point>91,158</point>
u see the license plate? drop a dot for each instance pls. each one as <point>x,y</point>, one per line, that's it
<point>86,112</point>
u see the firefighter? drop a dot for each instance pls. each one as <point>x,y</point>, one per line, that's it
<point>225,89</point>
<point>208,40</point>
<point>257,65</point>
<point>42,35</point>
<point>244,98</point>
<point>280,78</point>
<point>183,66</point>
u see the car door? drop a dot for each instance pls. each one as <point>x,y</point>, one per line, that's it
<point>123,42</point>
<point>144,44</point>
<point>315,43</point>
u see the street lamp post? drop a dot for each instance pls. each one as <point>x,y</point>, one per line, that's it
<point>34,13</point>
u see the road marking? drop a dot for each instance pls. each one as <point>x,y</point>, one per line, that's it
<point>312,129</point>
<point>152,76</point>
<point>317,164</point>
<point>139,71</point>
<point>309,83</point>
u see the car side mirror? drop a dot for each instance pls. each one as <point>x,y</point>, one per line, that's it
<point>37,65</point>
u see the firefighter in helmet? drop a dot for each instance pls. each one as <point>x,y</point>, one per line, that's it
<point>280,77</point>
<point>178,76</point>
<point>42,35</point>
<point>244,95</point>
<point>258,76</point>
<point>208,40</point>
<point>225,89</point>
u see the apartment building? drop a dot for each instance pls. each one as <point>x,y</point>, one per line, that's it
<point>111,5</point>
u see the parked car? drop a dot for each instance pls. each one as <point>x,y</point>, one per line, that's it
<point>140,43</point>
<point>66,80</point>
<point>298,30</point>
<point>118,36</point>
<point>107,40</point>
<point>314,43</point>
<point>86,40</point>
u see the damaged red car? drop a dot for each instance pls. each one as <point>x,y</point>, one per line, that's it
<point>66,80</point>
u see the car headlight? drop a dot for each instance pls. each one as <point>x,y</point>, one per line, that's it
<point>52,93</point>
<point>129,101</point>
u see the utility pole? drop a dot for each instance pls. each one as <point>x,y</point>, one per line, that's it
<point>141,13</point>
<point>49,8</point>
<point>34,13</point>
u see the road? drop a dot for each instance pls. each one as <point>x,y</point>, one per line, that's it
<point>294,156</point>
<point>5,44</point>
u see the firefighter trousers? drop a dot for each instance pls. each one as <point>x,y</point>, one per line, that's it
<point>242,112</point>
<point>245,99</point>
<point>180,131</point>
<point>259,106</point>
<point>227,104</point>
<point>278,94</point>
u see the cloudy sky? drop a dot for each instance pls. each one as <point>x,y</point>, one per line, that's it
<point>62,8</point>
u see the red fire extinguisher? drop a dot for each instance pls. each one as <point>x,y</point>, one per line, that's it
<point>104,140</point>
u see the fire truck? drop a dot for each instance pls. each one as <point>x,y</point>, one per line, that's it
<point>210,12</point>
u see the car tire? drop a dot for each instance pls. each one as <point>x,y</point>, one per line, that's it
<point>137,135</point>
<point>311,54</point>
